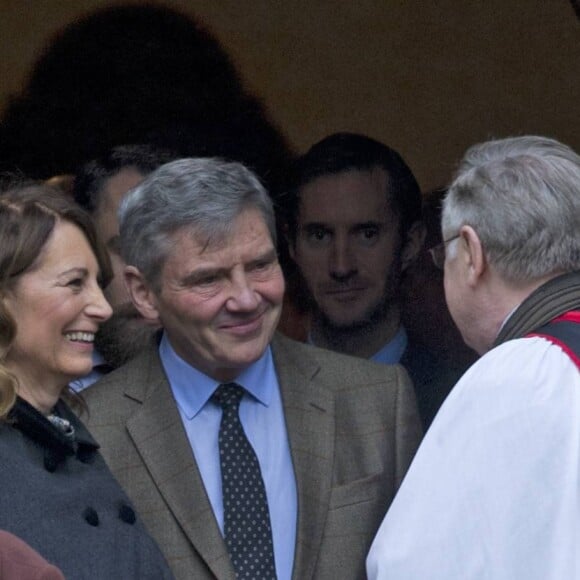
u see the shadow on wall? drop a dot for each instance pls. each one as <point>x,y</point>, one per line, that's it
<point>136,74</point>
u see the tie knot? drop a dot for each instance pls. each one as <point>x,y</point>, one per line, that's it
<point>228,395</point>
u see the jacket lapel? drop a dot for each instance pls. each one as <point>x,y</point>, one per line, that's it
<point>159,436</point>
<point>309,410</point>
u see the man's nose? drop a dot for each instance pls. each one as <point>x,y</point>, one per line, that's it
<point>243,297</point>
<point>342,260</point>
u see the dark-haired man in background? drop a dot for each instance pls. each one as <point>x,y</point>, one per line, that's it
<point>354,226</point>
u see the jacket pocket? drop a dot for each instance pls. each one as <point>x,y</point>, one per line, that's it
<point>357,491</point>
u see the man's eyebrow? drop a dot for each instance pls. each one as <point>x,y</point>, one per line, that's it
<point>269,256</point>
<point>201,273</point>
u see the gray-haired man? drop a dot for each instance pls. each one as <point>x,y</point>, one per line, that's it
<point>493,491</point>
<point>327,439</point>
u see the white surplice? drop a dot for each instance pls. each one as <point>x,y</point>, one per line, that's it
<point>494,490</point>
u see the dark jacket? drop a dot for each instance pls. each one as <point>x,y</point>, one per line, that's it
<point>57,494</point>
<point>432,379</point>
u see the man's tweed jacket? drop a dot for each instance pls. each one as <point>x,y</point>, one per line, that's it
<point>353,429</point>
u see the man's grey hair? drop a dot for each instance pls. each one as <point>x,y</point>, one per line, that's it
<point>203,195</point>
<point>522,197</point>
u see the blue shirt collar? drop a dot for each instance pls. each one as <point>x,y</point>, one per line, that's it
<point>192,388</point>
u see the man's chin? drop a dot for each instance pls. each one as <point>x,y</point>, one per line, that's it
<point>352,319</point>
<point>343,320</point>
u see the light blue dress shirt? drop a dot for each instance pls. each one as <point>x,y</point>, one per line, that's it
<point>262,416</point>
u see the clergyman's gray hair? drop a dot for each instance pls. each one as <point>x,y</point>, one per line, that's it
<point>522,197</point>
<point>205,195</point>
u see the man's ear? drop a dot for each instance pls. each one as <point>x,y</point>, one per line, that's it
<point>473,254</point>
<point>412,244</point>
<point>141,294</point>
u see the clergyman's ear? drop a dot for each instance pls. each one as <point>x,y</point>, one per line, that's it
<point>474,254</point>
<point>412,244</point>
<point>142,295</point>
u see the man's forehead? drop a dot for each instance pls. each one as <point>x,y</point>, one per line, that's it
<point>246,228</point>
<point>190,254</point>
<point>355,188</point>
<point>348,198</point>
<point>377,175</point>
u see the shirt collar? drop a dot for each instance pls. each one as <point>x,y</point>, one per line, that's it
<point>192,388</point>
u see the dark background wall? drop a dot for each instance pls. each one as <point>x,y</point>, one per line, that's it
<point>429,78</point>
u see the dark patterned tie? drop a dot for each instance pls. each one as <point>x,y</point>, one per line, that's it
<point>247,530</point>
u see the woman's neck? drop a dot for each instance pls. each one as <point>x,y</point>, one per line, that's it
<point>36,392</point>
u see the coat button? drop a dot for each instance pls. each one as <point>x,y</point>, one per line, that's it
<point>91,516</point>
<point>127,514</point>
<point>50,463</point>
<point>86,456</point>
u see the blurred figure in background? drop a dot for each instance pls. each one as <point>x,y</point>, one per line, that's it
<point>98,188</point>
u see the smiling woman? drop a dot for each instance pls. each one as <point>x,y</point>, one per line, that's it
<point>47,249</point>
<point>55,487</point>
<point>57,305</point>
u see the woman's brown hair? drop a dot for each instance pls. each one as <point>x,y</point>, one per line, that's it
<point>28,215</point>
